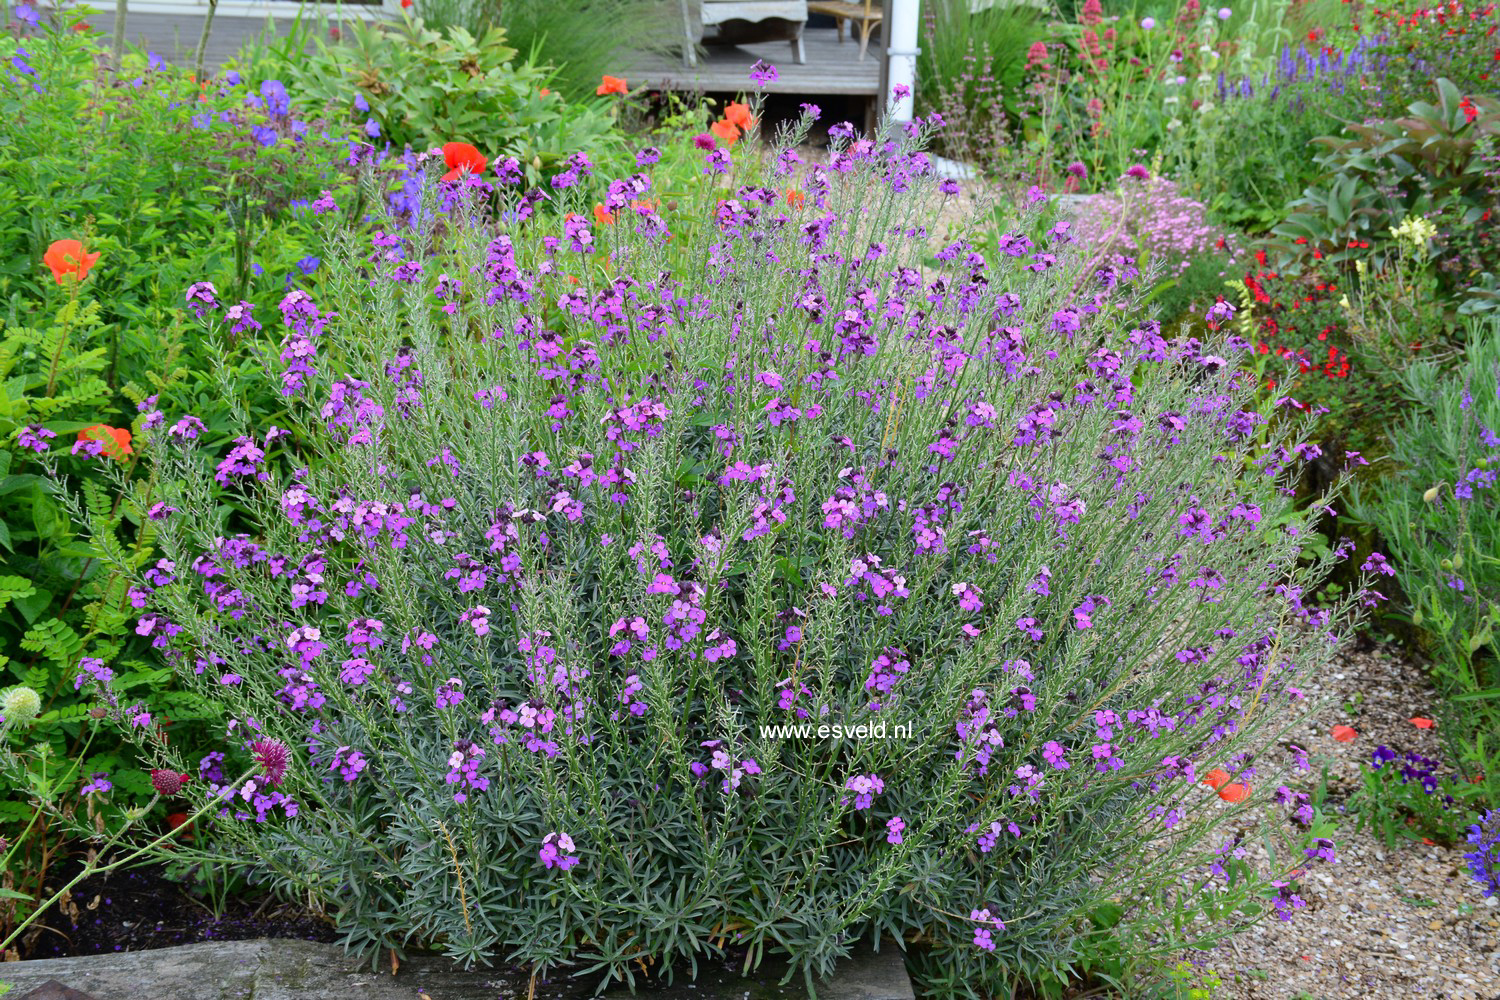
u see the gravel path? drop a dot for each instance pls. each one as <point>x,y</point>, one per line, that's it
<point>1382,923</point>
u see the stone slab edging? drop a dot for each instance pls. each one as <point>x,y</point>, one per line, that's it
<point>269,969</point>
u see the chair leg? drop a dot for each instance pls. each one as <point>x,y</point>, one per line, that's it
<point>798,55</point>
<point>864,38</point>
<point>838,23</point>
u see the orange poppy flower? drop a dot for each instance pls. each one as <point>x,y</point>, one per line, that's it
<point>116,439</point>
<point>612,85</point>
<point>67,257</point>
<point>1216,779</point>
<point>602,216</point>
<point>795,198</point>
<point>727,131</point>
<point>740,115</point>
<point>1344,734</point>
<point>544,92</point>
<point>1421,723</point>
<point>645,204</point>
<point>405,4</point>
<point>1234,794</point>
<point>462,158</point>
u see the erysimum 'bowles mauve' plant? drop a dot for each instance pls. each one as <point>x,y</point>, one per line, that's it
<point>578,527</point>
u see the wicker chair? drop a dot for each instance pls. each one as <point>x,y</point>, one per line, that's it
<point>867,15</point>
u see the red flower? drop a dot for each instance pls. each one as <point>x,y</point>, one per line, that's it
<point>1421,723</point>
<point>169,783</point>
<point>462,158</point>
<point>1216,779</point>
<point>1234,794</point>
<point>1344,734</point>
<point>603,216</point>
<point>740,115</point>
<point>727,131</point>
<point>612,85</point>
<point>67,257</point>
<point>405,4</point>
<point>116,439</point>
<point>795,198</point>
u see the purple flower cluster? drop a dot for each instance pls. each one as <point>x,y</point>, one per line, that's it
<point>554,852</point>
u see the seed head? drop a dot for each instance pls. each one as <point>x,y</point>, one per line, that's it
<point>20,706</point>
<point>167,782</point>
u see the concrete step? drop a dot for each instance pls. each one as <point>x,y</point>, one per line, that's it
<point>269,969</point>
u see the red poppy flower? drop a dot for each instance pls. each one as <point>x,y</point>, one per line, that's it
<point>1344,734</point>
<point>612,85</point>
<point>1216,779</point>
<point>116,439</point>
<point>1421,723</point>
<point>603,216</point>
<point>67,257</point>
<point>739,114</point>
<point>795,198</point>
<point>405,4</point>
<point>462,158</point>
<point>1234,794</point>
<point>727,131</point>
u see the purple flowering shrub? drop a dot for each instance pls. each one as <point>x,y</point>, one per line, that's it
<point>585,552</point>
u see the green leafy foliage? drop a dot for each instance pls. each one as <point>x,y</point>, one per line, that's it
<point>427,87</point>
<point>1432,163</point>
<point>1438,513</point>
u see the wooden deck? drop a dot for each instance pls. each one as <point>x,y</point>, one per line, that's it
<point>174,36</point>
<point>831,67</point>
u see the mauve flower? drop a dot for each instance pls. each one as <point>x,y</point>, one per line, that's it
<point>34,436</point>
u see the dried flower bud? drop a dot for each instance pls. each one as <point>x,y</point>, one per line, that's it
<point>1431,495</point>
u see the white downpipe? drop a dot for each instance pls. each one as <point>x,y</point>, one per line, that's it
<point>901,53</point>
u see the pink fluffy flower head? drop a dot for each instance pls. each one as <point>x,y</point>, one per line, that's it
<point>273,758</point>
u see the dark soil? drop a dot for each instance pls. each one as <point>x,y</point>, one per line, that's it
<point>141,908</point>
